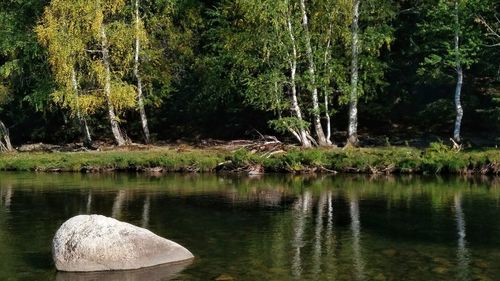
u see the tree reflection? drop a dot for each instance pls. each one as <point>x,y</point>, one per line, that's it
<point>463,255</point>
<point>145,212</point>
<point>302,209</point>
<point>118,204</point>
<point>356,237</point>
<point>89,202</point>
<point>318,237</point>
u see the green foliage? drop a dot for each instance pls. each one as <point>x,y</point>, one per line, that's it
<point>228,63</point>
<point>438,29</point>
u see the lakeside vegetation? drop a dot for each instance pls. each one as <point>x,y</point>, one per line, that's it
<point>437,159</point>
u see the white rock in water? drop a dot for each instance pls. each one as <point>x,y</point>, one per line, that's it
<point>98,243</point>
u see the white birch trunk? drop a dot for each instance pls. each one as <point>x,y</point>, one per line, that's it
<point>293,131</point>
<point>327,112</point>
<point>115,128</point>
<point>87,139</point>
<point>293,72</point>
<point>5,143</point>
<point>140,100</point>
<point>352,131</point>
<point>312,71</point>
<point>328,122</point>
<point>460,77</point>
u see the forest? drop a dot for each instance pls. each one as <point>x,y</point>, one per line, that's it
<point>310,72</point>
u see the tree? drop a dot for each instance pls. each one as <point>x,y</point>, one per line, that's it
<point>65,41</point>
<point>24,77</point>
<point>76,34</point>
<point>5,144</point>
<point>139,34</point>
<point>453,45</point>
<point>312,72</point>
<point>371,31</point>
<point>264,52</point>
<point>285,64</point>
<point>352,132</point>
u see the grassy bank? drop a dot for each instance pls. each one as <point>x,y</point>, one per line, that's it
<point>438,159</point>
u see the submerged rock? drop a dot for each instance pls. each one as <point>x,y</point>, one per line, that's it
<point>98,243</point>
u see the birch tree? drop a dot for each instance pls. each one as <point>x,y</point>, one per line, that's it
<point>370,33</point>
<point>5,144</point>
<point>452,46</point>
<point>312,72</point>
<point>352,131</point>
<point>65,42</point>
<point>460,74</point>
<point>139,34</point>
<point>303,135</point>
<point>267,56</point>
<point>76,35</point>
<point>282,55</point>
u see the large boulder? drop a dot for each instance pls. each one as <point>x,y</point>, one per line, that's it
<point>98,243</point>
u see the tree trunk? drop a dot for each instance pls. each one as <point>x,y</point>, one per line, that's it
<point>328,122</point>
<point>312,71</point>
<point>5,144</point>
<point>293,71</point>
<point>115,128</point>
<point>140,101</point>
<point>87,139</point>
<point>460,77</point>
<point>327,113</point>
<point>352,131</point>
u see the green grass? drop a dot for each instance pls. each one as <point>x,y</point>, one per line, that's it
<point>437,159</point>
<point>168,160</point>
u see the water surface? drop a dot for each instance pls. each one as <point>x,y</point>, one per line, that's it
<point>269,228</point>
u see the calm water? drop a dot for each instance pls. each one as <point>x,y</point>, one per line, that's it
<point>270,228</point>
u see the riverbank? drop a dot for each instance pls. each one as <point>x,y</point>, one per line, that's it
<point>438,159</point>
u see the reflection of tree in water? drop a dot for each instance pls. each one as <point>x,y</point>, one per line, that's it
<point>145,212</point>
<point>318,236</point>
<point>116,212</point>
<point>300,229</point>
<point>6,196</point>
<point>356,237</point>
<point>89,202</point>
<point>463,256</point>
<point>301,211</point>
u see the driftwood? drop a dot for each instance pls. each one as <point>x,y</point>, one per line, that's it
<point>266,145</point>
<point>456,146</point>
<point>5,144</point>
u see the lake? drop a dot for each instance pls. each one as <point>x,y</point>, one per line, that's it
<point>273,227</point>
